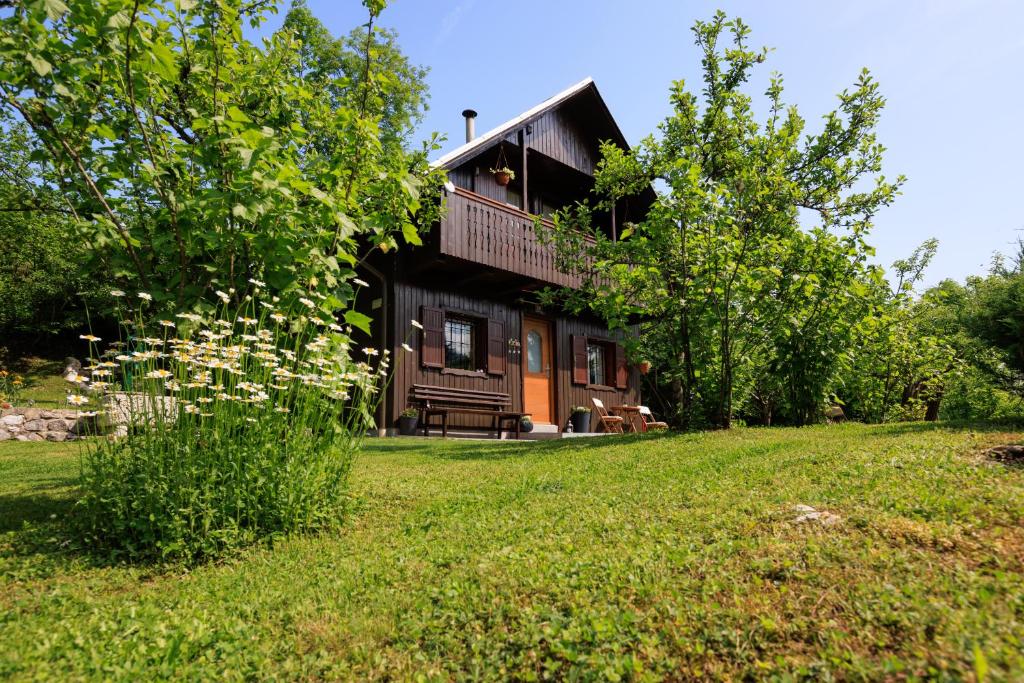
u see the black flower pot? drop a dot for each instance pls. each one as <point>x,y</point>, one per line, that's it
<point>526,426</point>
<point>407,425</point>
<point>580,422</point>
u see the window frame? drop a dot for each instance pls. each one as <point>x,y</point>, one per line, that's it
<point>607,349</point>
<point>478,332</point>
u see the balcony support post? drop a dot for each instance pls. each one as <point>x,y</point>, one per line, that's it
<point>522,145</point>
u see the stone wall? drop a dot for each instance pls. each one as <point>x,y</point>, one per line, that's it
<point>40,424</point>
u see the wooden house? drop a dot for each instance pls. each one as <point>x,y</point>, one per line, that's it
<point>473,283</point>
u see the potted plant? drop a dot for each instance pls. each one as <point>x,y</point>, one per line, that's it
<point>526,424</point>
<point>407,422</point>
<point>645,367</point>
<point>580,419</point>
<point>503,174</point>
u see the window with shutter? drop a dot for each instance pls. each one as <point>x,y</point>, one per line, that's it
<point>432,342</point>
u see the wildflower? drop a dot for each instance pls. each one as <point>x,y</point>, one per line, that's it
<point>89,337</point>
<point>361,283</point>
<point>407,348</point>
<point>417,325</point>
<point>145,297</point>
<point>75,378</point>
<point>247,321</point>
<point>370,351</point>
<point>223,296</point>
<point>101,373</point>
<point>77,400</point>
<point>256,282</point>
<point>277,317</point>
<point>158,374</point>
<point>189,316</point>
<point>116,292</point>
<point>281,409</point>
<point>306,302</point>
<point>167,323</point>
<point>124,358</point>
<point>191,409</point>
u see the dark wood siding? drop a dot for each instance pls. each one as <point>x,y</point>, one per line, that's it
<point>559,135</point>
<point>408,302</point>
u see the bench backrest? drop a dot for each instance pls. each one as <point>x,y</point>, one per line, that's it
<point>449,396</point>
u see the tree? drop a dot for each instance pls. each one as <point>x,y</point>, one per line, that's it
<point>721,270</point>
<point>41,283</point>
<point>194,160</point>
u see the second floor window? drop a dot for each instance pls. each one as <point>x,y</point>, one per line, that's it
<point>459,344</point>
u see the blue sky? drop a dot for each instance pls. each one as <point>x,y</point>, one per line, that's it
<point>951,70</point>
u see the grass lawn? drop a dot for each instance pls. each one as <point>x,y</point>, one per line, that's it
<point>657,557</point>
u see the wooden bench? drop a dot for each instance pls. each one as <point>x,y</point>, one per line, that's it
<point>441,401</point>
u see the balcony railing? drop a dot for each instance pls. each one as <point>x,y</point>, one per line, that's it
<point>485,231</point>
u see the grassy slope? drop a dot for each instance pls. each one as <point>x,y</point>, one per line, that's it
<point>658,557</point>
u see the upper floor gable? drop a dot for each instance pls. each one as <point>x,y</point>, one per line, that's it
<point>553,150</point>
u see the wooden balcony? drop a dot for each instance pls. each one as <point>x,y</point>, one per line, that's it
<point>482,230</point>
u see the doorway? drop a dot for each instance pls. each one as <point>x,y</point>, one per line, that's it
<point>538,370</point>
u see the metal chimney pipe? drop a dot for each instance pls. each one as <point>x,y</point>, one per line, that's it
<point>470,124</point>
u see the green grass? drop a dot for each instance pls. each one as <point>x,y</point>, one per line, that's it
<point>45,386</point>
<point>661,557</point>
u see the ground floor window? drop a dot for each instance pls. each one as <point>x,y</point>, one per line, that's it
<point>597,363</point>
<point>459,344</point>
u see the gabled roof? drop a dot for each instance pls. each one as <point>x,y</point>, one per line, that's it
<point>495,135</point>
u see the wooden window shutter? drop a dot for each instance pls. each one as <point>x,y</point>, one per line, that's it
<point>432,337</point>
<point>621,369</point>
<point>495,347</point>
<point>579,359</point>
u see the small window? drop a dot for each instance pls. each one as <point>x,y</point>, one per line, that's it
<point>597,368</point>
<point>534,352</point>
<point>459,344</point>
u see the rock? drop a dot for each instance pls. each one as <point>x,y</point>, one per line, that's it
<point>56,425</point>
<point>30,436</point>
<point>835,414</point>
<point>56,436</point>
<point>31,413</point>
<point>5,435</point>
<point>34,426</point>
<point>72,364</point>
<point>12,420</point>
<point>1010,453</point>
<point>809,514</point>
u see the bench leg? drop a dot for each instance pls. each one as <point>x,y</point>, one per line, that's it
<point>519,426</point>
<point>444,425</point>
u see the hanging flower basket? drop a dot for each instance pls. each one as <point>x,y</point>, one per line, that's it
<point>645,367</point>
<point>503,175</point>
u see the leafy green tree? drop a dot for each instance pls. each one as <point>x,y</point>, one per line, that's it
<point>721,269</point>
<point>339,65</point>
<point>41,281</point>
<point>194,160</point>
<point>992,319</point>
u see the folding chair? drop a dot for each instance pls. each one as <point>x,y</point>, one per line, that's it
<point>649,423</point>
<point>610,423</point>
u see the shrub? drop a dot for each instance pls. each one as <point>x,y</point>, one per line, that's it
<point>243,427</point>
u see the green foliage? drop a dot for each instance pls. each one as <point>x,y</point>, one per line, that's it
<point>41,280</point>
<point>749,272</point>
<point>644,558</point>
<point>194,159</point>
<point>240,427</point>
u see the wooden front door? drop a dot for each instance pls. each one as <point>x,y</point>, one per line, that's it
<point>538,371</point>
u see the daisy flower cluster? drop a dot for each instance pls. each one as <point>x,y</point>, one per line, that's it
<point>255,361</point>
